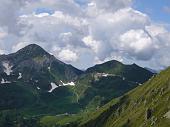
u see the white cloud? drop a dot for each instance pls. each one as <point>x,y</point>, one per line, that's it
<point>67,55</point>
<point>84,34</point>
<point>2,52</point>
<point>3,34</point>
<point>39,15</point>
<point>138,44</point>
<point>93,44</point>
<point>155,30</point>
<point>112,5</point>
<point>66,6</point>
<point>20,45</point>
<point>65,37</point>
<point>108,27</point>
<point>9,11</point>
<point>52,28</point>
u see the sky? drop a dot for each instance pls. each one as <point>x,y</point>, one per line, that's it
<point>88,32</point>
<point>158,10</point>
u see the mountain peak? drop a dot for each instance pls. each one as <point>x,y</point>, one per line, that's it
<point>33,50</point>
<point>32,47</point>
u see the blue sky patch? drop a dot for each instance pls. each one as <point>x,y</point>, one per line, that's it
<point>158,10</point>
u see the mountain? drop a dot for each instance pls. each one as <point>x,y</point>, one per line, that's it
<point>33,61</point>
<point>112,79</point>
<point>34,65</point>
<point>34,84</point>
<point>145,106</point>
<point>29,77</point>
<point>131,72</point>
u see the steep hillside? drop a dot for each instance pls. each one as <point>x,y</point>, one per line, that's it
<point>145,106</point>
<point>112,79</point>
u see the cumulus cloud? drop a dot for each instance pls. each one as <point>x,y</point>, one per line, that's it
<point>112,5</point>
<point>84,32</point>
<point>107,28</point>
<point>20,45</point>
<point>93,44</point>
<point>9,11</point>
<point>1,52</point>
<point>138,44</point>
<point>155,30</point>
<point>67,55</point>
<point>66,6</point>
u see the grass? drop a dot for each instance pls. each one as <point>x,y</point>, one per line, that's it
<point>128,110</point>
<point>132,111</point>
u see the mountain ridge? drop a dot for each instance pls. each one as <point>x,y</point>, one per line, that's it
<point>49,86</point>
<point>145,106</point>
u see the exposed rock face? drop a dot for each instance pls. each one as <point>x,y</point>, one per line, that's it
<point>148,114</point>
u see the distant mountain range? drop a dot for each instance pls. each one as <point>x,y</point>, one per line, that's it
<point>34,83</point>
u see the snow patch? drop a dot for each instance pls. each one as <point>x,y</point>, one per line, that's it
<point>38,88</point>
<point>20,76</point>
<point>68,84</point>
<point>49,68</point>
<point>97,76</point>
<point>7,68</point>
<point>104,75</point>
<point>53,87</point>
<point>4,82</point>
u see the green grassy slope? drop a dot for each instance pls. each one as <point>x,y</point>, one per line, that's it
<point>103,82</point>
<point>144,106</point>
<point>130,72</point>
<point>101,90</point>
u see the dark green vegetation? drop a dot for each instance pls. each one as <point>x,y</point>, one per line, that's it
<point>38,70</point>
<point>130,72</point>
<point>144,106</point>
<point>24,88</point>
